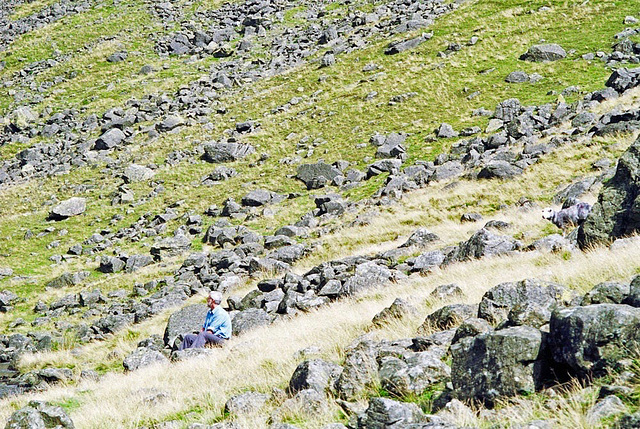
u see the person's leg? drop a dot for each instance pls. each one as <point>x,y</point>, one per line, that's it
<point>214,339</point>
<point>187,341</point>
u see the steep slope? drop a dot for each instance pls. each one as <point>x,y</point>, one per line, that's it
<point>293,101</point>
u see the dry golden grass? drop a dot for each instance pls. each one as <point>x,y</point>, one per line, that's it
<point>265,358</point>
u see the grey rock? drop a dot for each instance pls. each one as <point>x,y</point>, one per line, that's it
<point>616,213</point>
<point>317,175</point>
<point>445,131</point>
<point>226,152</point>
<point>427,261</point>
<point>412,374</point>
<point>305,403</point>
<point>170,122</point>
<point>314,374</point>
<point>471,327</point>
<point>246,403</point>
<point>499,301</point>
<point>143,357</point>
<point>624,79</point>
<point>367,275</point>
<point>39,415</point>
<point>68,279</point>
<point>184,321</point>
<point>517,77</point>
<point>250,319</point>
<point>137,173</point>
<point>484,244</point>
<point>544,53</point>
<point>446,291</point>
<point>593,339</point>
<point>606,293</point>
<point>398,310</point>
<point>499,169</point>
<point>498,364</point>
<point>403,45</point>
<point>420,238</point>
<point>448,316</point>
<point>109,139</point>
<point>71,207</point>
<point>605,408</point>
<point>385,413</point>
<point>111,264</point>
<point>360,370</point>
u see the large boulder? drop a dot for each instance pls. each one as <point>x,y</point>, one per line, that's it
<point>412,374</point>
<point>39,415</point>
<point>246,403</point>
<point>314,374</point>
<point>250,318</point>
<point>623,79</point>
<point>499,301</point>
<point>226,152</point>
<point>367,275</point>
<point>143,357</point>
<point>71,207</point>
<point>385,413</point>
<point>592,340</point>
<point>544,53</point>
<point>137,173</point>
<point>360,370</point>
<point>184,321</point>
<point>481,244</point>
<point>498,364</point>
<point>317,175</point>
<point>617,212</point>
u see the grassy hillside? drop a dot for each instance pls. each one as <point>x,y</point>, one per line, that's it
<point>303,113</point>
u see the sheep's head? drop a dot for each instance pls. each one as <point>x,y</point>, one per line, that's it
<point>548,213</point>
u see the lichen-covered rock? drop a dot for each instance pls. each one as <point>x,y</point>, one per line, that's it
<point>543,53</point>
<point>184,321</point>
<point>498,364</point>
<point>250,318</point>
<point>246,403</point>
<point>314,374</point>
<point>606,293</point>
<point>385,413</point>
<point>143,357</point>
<point>448,316</point>
<point>39,415</point>
<point>498,301</point>
<point>399,309</point>
<point>412,374</point>
<point>592,339</point>
<point>360,370</point>
<point>617,211</point>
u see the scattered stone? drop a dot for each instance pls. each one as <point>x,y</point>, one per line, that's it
<point>71,207</point>
<point>544,53</point>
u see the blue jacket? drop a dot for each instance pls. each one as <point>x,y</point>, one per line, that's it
<point>219,322</point>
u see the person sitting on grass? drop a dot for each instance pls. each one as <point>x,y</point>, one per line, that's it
<point>216,329</point>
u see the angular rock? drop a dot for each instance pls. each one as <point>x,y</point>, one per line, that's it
<point>226,152</point>
<point>403,45</point>
<point>39,415</point>
<point>315,176</point>
<point>71,207</point>
<point>137,173</point>
<point>184,321</point>
<point>385,413</point>
<point>398,310</point>
<point>314,374</point>
<point>109,139</point>
<point>143,357</point>
<point>246,403</point>
<point>544,53</point>
<point>498,302</point>
<point>592,340</point>
<point>250,319</point>
<point>498,364</point>
<point>617,212</point>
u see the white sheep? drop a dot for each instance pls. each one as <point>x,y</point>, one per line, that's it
<point>569,217</point>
